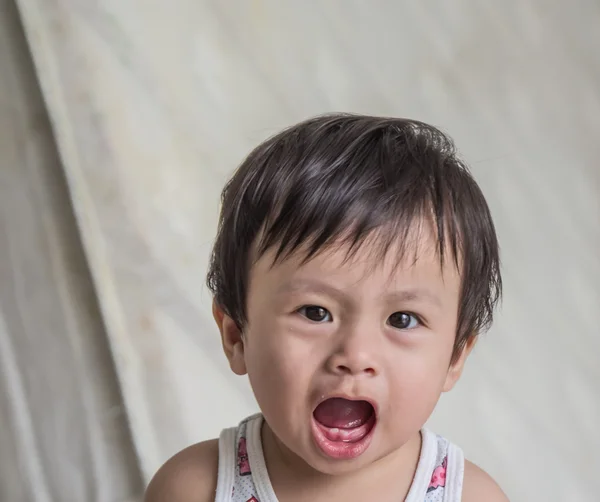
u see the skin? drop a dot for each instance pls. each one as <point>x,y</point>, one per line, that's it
<point>383,332</point>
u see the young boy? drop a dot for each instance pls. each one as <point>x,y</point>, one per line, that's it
<point>355,265</point>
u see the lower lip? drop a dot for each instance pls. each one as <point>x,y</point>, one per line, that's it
<point>339,449</point>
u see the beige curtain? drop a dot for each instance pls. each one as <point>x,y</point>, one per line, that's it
<point>63,427</point>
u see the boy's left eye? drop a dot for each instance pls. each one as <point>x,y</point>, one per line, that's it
<point>403,320</point>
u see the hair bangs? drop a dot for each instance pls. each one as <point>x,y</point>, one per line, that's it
<point>310,223</point>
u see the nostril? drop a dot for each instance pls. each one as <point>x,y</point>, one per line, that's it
<point>343,369</point>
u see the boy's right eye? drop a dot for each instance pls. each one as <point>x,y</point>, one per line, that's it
<point>315,313</point>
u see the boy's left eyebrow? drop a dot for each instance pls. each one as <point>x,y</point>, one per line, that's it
<point>415,295</point>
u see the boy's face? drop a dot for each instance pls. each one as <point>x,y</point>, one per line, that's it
<point>347,359</point>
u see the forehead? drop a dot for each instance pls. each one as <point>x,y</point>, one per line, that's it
<point>411,262</point>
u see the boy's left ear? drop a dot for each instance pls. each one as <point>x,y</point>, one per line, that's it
<point>456,368</point>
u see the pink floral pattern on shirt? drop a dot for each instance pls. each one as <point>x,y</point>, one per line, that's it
<point>438,478</point>
<point>243,464</point>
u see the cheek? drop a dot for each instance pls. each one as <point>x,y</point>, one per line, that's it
<point>278,365</point>
<point>266,363</point>
<point>416,385</point>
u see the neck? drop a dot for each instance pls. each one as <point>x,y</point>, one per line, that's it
<point>293,479</point>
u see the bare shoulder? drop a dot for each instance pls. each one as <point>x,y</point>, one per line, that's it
<point>478,485</point>
<point>188,476</point>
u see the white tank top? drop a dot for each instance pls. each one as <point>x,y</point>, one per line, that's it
<point>243,475</point>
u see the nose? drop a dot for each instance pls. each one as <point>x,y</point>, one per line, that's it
<point>356,354</point>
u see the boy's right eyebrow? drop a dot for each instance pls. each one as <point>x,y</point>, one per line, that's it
<point>295,286</point>
<point>304,285</point>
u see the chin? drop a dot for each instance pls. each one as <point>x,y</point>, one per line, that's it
<point>330,467</point>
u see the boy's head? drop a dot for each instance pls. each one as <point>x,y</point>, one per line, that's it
<point>349,248</point>
<point>356,179</point>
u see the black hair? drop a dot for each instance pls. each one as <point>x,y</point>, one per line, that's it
<point>346,177</point>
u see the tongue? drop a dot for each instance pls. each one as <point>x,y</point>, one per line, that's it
<point>342,413</point>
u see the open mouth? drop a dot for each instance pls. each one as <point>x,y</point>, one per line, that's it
<point>343,428</point>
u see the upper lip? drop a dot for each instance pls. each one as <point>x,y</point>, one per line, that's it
<point>350,397</point>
